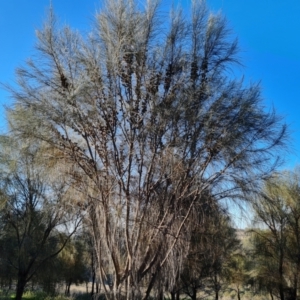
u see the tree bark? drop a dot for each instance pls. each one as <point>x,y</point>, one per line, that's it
<point>67,290</point>
<point>281,287</point>
<point>216,287</point>
<point>238,294</point>
<point>20,286</point>
<point>194,295</point>
<point>175,295</point>
<point>161,296</point>
<point>93,283</point>
<point>217,294</point>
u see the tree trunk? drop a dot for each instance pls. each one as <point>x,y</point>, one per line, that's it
<point>217,287</point>
<point>293,295</point>
<point>175,295</point>
<point>93,283</point>
<point>295,287</point>
<point>161,295</point>
<point>217,294</point>
<point>10,283</point>
<point>150,286</point>
<point>281,292</point>
<point>238,294</point>
<point>194,295</point>
<point>20,286</point>
<point>280,271</point>
<point>67,290</point>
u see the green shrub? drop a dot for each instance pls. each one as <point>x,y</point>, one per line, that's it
<point>83,297</point>
<point>58,297</point>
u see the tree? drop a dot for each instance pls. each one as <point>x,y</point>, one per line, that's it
<point>148,118</point>
<point>266,269</point>
<point>278,209</point>
<point>238,272</point>
<point>225,249</point>
<point>199,261</point>
<point>36,218</point>
<point>212,247</point>
<point>73,264</point>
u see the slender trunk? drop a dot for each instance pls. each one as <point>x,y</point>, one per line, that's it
<point>161,295</point>
<point>93,283</point>
<point>238,294</point>
<point>290,294</point>
<point>217,294</point>
<point>216,287</point>
<point>173,295</point>
<point>295,287</point>
<point>281,293</point>
<point>67,290</point>
<point>97,287</point>
<point>151,284</point>
<point>20,286</point>
<point>128,291</point>
<point>280,270</point>
<point>194,295</point>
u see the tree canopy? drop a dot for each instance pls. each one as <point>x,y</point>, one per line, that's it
<point>150,126</point>
<point>35,220</point>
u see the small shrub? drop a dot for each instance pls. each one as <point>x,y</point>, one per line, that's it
<point>58,297</point>
<point>84,297</point>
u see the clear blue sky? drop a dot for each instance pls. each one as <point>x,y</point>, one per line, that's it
<point>268,31</point>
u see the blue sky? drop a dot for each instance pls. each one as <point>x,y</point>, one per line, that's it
<point>269,35</point>
<point>268,31</point>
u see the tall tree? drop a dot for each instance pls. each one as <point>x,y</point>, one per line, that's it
<point>36,216</point>
<point>149,119</point>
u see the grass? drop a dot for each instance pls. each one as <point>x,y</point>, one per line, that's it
<point>42,296</point>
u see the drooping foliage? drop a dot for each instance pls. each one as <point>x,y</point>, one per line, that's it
<point>148,121</point>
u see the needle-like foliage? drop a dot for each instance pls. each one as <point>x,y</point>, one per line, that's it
<point>146,111</point>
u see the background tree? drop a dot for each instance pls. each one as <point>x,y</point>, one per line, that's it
<point>264,270</point>
<point>225,249</point>
<point>278,209</point>
<point>238,272</point>
<point>7,274</point>
<point>211,249</point>
<point>148,117</point>
<point>47,278</point>
<point>36,217</point>
<point>74,264</point>
<point>198,264</point>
